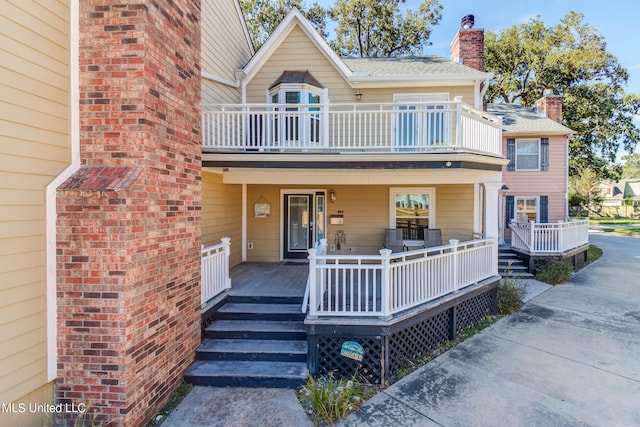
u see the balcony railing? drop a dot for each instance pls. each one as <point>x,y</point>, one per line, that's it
<point>360,127</point>
<point>549,238</point>
<point>215,270</point>
<point>387,284</point>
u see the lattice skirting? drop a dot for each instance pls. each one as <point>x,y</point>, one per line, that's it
<point>394,345</point>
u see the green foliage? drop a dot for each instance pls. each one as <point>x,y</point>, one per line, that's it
<point>373,28</point>
<point>571,58</point>
<point>510,294</point>
<point>331,399</point>
<point>554,272</point>
<point>583,193</point>
<point>263,16</point>
<point>631,166</point>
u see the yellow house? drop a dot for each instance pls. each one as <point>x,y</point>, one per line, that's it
<point>382,175</point>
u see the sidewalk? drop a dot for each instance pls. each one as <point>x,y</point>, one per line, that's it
<point>570,357</point>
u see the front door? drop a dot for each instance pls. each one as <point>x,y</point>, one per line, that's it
<point>298,225</point>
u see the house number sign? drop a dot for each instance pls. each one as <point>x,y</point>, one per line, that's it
<point>352,350</point>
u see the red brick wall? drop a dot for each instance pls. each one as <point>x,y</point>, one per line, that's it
<point>129,220</point>
<point>551,105</point>
<point>468,44</point>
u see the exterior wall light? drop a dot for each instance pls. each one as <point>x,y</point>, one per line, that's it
<point>358,95</point>
<point>332,195</point>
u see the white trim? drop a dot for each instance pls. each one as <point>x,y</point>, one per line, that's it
<point>247,36</point>
<point>477,208</point>
<point>244,222</point>
<point>293,18</point>
<point>219,79</point>
<point>515,206</point>
<point>52,187</point>
<point>394,191</point>
<point>515,153</point>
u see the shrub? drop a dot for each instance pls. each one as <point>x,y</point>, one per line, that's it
<point>331,398</point>
<point>510,294</point>
<point>554,272</point>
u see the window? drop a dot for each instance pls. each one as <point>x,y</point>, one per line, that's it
<point>526,209</point>
<point>412,210</point>
<point>527,154</point>
<point>297,123</point>
<point>421,124</point>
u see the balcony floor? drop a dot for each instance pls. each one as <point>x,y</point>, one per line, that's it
<point>269,279</point>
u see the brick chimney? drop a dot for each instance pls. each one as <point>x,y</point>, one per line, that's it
<point>551,105</point>
<point>467,47</point>
<point>128,222</point>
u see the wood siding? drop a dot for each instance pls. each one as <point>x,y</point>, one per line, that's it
<point>35,147</point>
<point>366,215</point>
<point>225,49</point>
<point>222,214</point>
<point>298,52</point>
<point>552,183</point>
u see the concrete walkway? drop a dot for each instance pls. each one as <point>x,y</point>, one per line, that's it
<point>571,357</point>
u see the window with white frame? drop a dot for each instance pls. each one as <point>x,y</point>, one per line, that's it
<point>527,154</point>
<point>526,209</point>
<point>412,210</point>
<point>297,123</point>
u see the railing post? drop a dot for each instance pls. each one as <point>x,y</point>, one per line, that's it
<point>385,284</point>
<point>458,139</point>
<point>311,283</point>
<point>325,126</point>
<point>561,229</point>
<point>533,246</point>
<point>454,250</point>
<point>226,241</point>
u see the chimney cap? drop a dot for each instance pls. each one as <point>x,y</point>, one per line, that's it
<point>467,21</point>
<point>547,92</point>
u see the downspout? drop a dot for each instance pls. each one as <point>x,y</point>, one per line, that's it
<point>52,187</point>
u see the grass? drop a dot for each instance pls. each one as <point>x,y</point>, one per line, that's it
<point>174,401</point>
<point>626,231</point>
<point>614,221</point>
<point>593,253</point>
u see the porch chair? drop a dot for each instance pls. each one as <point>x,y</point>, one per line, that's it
<point>393,239</point>
<point>432,237</point>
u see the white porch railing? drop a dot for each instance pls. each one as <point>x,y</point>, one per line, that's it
<point>549,238</point>
<point>215,270</point>
<point>384,127</point>
<point>387,284</point>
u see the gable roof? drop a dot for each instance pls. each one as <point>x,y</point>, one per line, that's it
<point>360,72</point>
<point>517,119</point>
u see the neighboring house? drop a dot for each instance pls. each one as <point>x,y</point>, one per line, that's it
<point>614,193</point>
<point>537,146</point>
<point>101,210</point>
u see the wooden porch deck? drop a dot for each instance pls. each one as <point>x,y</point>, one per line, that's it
<point>269,279</point>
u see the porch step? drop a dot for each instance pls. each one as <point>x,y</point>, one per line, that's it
<point>258,350</point>
<point>250,311</point>
<point>225,373</point>
<point>254,341</point>
<point>249,329</point>
<point>510,265</point>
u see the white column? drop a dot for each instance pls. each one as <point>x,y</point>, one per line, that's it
<point>492,208</point>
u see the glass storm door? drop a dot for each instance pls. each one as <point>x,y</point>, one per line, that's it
<point>298,235</point>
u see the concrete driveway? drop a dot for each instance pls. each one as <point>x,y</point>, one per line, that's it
<point>571,357</point>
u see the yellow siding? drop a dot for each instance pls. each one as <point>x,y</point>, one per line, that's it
<point>366,215</point>
<point>225,49</point>
<point>222,214</point>
<point>34,148</point>
<point>297,52</point>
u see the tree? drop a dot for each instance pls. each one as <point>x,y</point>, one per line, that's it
<point>631,166</point>
<point>584,196</point>
<point>570,58</point>
<point>372,28</point>
<point>263,16</point>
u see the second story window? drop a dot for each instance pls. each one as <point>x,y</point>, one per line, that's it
<point>527,154</point>
<point>296,121</point>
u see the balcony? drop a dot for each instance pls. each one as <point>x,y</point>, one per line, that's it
<point>426,127</point>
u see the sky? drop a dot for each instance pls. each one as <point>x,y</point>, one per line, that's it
<point>621,37</point>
